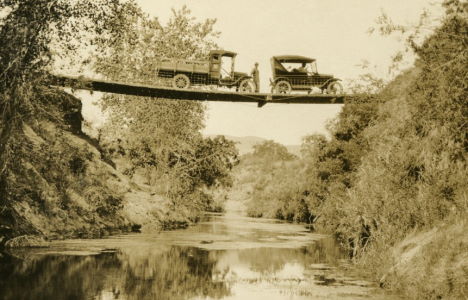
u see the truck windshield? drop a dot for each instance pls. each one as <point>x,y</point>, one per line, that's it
<point>226,66</point>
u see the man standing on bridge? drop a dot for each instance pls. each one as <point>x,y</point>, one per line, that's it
<point>256,77</point>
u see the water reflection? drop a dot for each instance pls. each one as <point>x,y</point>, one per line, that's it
<point>178,273</point>
<point>157,266</point>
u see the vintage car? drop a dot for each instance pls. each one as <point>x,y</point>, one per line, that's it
<point>299,73</point>
<point>217,70</point>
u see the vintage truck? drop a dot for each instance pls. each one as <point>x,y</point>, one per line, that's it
<point>218,70</point>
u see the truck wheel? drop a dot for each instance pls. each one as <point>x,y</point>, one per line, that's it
<point>181,81</point>
<point>335,88</point>
<point>283,87</point>
<point>246,86</point>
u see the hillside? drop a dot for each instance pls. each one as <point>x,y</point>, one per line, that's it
<point>57,182</point>
<point>61,184</point>
<point>390,183</point>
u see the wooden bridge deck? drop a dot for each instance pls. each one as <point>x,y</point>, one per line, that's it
<point>192,94</point>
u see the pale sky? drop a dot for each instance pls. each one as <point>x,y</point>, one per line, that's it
<point>332,31</point>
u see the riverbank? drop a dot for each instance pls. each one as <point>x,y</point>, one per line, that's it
<point>389,180</point>
<point>62,184</point>
<point>427,264</point>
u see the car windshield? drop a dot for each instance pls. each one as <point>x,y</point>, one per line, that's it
<point>312,68</point>
<point>294,67</point>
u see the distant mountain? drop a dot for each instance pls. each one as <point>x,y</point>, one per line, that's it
<point>245,144</point>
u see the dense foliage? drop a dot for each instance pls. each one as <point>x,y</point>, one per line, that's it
<point>297,189</point>
<point>161,138</point>
<point>35,35</point>
<point>396,162</point>
<point>258,170</point>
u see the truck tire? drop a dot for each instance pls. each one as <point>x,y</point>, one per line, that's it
<point>246,86</point>
<point>283,87</point>
<point>181,81</point>
<point>335,88</point>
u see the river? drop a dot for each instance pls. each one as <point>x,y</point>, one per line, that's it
<point>222,257</point>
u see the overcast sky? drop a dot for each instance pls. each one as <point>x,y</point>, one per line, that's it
<point>332,31</point>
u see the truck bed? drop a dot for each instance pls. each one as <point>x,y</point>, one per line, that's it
<point>185,66</point>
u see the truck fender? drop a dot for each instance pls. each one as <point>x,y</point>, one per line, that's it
<point>238,81</point>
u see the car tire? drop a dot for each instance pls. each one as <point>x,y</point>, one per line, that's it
<point>181,81</point>
<point>283,87</point>
<point>246,86</point>
<point>335,88</point>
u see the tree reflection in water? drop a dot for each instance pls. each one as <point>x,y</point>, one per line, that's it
<point>268,261</point>
<point>167,272</point>
<point>178,273</point>
<point>244,260</point>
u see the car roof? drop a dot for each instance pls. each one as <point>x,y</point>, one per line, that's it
<point>294,58</point>
<point>223,53</point>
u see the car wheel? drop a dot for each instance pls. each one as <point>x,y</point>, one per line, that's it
<point>283,87</point>
<point>181,81</point>
<point>246,86</point>
<point>335,88</point>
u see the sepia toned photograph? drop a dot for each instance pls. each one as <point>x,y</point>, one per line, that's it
<point>233,150</point>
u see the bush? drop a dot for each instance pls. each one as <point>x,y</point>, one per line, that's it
<point>395,162</point>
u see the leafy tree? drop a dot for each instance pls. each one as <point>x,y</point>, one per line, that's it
<point>162,137</point>
<point>214,159</point>
<point>34,35</point>
<point>411,174</point>
<point>146,124</point>
<point>271,151</point>
<point>144,40</point>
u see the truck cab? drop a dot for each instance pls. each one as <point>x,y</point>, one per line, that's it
<point>222,64</point>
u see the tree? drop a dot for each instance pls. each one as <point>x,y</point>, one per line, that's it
<point>271,151</point>
<point>214,158</point>
<point>34,34</point>
<point>162,137</point>
<point>153,127</point>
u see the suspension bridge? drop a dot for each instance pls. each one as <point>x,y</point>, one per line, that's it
<point>81,83</point>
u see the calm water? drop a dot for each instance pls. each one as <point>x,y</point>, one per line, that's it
<point>224,257</point>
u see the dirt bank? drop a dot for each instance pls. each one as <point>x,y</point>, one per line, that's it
<point>60,183</point>
<point>431,264</point>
